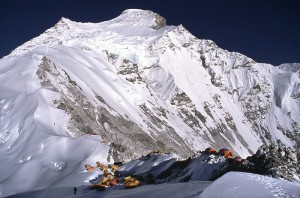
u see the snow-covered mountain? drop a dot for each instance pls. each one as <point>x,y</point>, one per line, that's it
<point>118,89</point>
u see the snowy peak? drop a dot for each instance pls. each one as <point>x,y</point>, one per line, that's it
<point>143,17</point>
<point>63,24</point>
<point>64,21</point>
<point>131,23</point>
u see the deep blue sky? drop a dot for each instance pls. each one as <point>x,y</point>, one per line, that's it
<point>267,31</point>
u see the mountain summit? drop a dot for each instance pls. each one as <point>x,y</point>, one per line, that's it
<point>119,89</point>
<point>130,23</point>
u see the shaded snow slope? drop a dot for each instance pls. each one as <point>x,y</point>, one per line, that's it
<point>167,167</point>
<point>274,161</point>
<point>136,85</point>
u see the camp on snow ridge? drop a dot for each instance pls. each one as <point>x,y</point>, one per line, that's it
<point>112,176</point>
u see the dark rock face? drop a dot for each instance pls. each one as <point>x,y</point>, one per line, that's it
<point>160,22</point>
<point>276,161</point>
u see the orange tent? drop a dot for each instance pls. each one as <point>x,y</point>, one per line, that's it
<point>130,182</point>
<point>103,168</point>
<point>90,169</point>
<point>225,152</point>
<point>228,154</point>
<point>210,151</point>
<point>114,181</point>
<point>113,167</point>
<point>128,179</point>
<point>87,166</point>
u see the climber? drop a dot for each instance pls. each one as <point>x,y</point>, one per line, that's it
<point>75,190</point>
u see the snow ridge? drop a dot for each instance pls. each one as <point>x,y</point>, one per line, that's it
<point>127,24</point>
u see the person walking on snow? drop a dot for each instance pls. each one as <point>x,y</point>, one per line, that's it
<point>75,190</point>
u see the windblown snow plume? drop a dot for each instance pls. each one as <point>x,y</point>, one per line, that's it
<point>118,89</point>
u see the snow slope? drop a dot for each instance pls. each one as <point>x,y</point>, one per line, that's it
<point>176,190</point>
<point>35,142</point>
<point>121,88</point>
<point>237,184</point>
